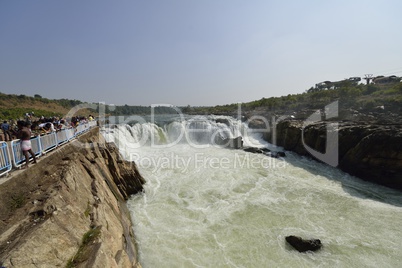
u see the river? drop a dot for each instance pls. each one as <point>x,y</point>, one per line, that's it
<point>206,206</point>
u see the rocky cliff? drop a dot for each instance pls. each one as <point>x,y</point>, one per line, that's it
<point>69,209</point>
<point>369,151</point>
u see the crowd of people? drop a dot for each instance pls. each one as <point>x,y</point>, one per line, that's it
<point>11,129</point>
<point>32,127</point>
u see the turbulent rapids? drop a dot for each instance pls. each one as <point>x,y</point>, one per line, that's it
<point>196,131</point>
<point>208,206</point>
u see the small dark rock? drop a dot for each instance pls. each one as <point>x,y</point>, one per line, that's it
<point>256,150</point>
<point>258,124</point>
<point>278,154</point>
<point>38,214</point>
<point>265,150</point>
<point>303,245</point>
<point>223,121</point>
<point>281,154</point>
<point>231,143</point>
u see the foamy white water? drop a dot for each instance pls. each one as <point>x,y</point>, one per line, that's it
<point>214,207</point>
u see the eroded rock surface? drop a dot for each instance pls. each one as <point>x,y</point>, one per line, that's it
<point>70,207</point>
<point>371,152</point>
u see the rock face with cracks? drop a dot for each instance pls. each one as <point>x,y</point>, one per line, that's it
<point>370,151</point>
<point>69,209</point>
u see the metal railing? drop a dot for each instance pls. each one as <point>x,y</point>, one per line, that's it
<point>70,132</point>
<point>40,145</point>
<point>18,156</point>
<point>61,136</point>
<point>48,142</point>
<point>82,128</point>
<point>5,160</point>
<point>92,123</point>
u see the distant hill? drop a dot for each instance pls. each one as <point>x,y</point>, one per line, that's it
<point>353,99</point>
<point>16,106</point>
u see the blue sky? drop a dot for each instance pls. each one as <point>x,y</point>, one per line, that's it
<point>192,52</point>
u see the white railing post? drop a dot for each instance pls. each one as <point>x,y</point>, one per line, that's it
<point>5,161</point>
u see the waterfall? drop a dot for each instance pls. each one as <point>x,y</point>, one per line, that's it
<point>196,131</point>
<point>204,206</point>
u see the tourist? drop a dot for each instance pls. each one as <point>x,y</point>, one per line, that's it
<point>25,135</point>
<point>46,127</point>
<point>50,127</point>
<point>61,125</point>
<point>6,130</point>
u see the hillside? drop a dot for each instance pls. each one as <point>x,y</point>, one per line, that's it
<point>356,102</point>
<point>16,106</point>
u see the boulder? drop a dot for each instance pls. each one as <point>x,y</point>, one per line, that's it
<point>303,245</point>
<point>377,157</point>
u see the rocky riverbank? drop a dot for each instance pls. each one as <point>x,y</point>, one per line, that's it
<point>69,209</point>
<point>370,151</point>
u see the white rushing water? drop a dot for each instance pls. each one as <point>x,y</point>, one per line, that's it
<point>205,206</point>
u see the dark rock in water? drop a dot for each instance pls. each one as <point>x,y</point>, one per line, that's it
<point>252,150</point>
<point>235,143</point>
<point>278,154</point>
<point>265,151</point>
<point>303,245</point>
<point>258,124</point>
<point>223,121</point>
<point>255,150</point>
<point>281,154</point>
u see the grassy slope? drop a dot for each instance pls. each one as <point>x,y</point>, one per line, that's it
<point>16,106</point>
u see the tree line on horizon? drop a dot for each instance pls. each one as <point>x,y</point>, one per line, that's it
<point>350,96</point>
<point>358,97</point>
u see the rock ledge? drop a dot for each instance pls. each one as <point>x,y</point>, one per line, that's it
<point>70,209</point>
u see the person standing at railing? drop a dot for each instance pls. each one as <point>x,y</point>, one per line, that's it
<point>61,125</point>
<point>50,127</point>
<point>47,127</point>
<point>24,134</point>
<point>6,130</point>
